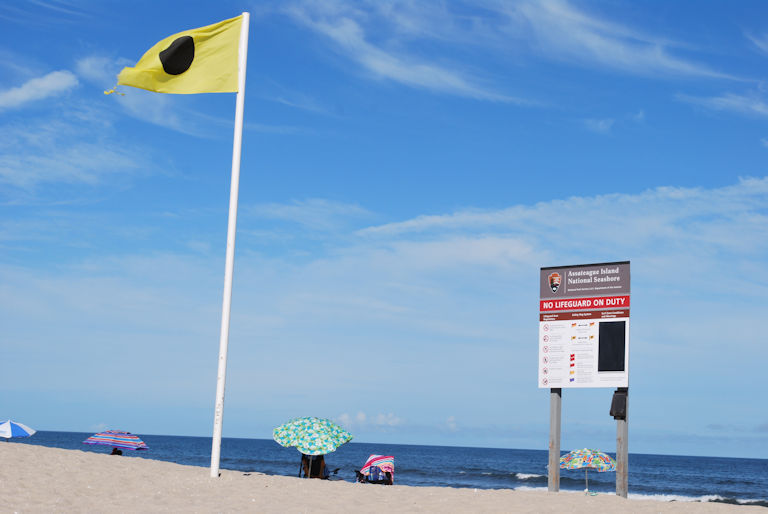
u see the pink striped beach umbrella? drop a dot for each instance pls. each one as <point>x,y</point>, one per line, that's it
<point>117,439</point>
<point>385,463</point>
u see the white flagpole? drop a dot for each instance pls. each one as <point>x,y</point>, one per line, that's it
<point>218,415</point>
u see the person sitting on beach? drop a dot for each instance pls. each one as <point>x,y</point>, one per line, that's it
<point>319,470</point>
<point>116,451</point>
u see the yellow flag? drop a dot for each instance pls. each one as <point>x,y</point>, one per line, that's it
<point>203,60</point>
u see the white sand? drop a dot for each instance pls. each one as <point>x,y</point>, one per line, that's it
<point>39,479</point>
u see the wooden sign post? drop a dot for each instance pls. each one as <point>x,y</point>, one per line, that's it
<point>622,453</point>
<point>555,409</point>
<point>584,342</point>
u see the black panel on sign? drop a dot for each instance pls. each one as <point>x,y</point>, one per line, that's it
<point>612,346</point>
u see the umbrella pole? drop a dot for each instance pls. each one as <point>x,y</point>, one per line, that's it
<point>586,479</point>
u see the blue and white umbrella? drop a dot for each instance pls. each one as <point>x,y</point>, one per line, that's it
<point>10,429</point>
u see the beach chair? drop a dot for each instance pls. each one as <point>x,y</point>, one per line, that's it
<point>378,469</point>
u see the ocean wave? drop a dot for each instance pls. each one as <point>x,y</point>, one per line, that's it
<point>674,497</point>
<point>531,488</point>
<point>662,497</point>
<point>703,499</point>
<point>526,476</point>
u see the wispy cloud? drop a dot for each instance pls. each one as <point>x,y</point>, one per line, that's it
<point>760,41</point>
<point>450,291</point>
<point>43,152</point>
<point>601,126</point>
<point>59,6</point>
<point>419,46</point>
<point>54,83</point>
<point>71,144</point>
<point>99,69</point>
<point>344,26</point>
<point>361,420</point>
<point>753,105</point>
<point>562,31</point>
<point>314,213</point>
<point>46,12</point>
<point>663,212</point>
<point>292,98</point>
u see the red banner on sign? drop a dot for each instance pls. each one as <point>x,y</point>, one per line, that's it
<point>574,304</point>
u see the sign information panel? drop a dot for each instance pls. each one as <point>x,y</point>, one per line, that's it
<point>584,325</point>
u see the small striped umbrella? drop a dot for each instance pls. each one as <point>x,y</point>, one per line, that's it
<point>586,458</point>
<point>386,463</point>
<point>10,429</point>
<point>117,439</point>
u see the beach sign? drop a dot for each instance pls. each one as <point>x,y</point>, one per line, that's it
<point>584,326</point>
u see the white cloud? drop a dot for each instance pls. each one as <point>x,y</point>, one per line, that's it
<point>388,420</point>
<point>753,105</point>
<point>362,421</point>
<point>561,30</point>
<point>64,151</point>
<point>292,98</point>
<point>389,39</point>
<point>54,83</point>
<point>98,69</point>
<point>314,213</point>
<point>602,126</point>
<point>343,26</point>
<point>377,314</point>
<point>761,41</point>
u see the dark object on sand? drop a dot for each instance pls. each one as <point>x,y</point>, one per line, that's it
<point>313,466</point>
<point>385,480</point>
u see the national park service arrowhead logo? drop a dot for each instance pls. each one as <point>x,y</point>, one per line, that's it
<point>554,281</point>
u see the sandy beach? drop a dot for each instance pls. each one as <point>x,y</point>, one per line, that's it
<point>40,479</point>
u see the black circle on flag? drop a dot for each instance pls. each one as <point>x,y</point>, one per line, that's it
<point>177,58</point>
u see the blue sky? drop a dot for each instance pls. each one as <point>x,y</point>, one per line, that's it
<point>407,168</point>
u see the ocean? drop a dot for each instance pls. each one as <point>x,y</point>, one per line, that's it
<point>659,477</point>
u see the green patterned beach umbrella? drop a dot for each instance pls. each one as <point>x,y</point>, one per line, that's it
<point>311,436</point>
<point>588,459</point>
